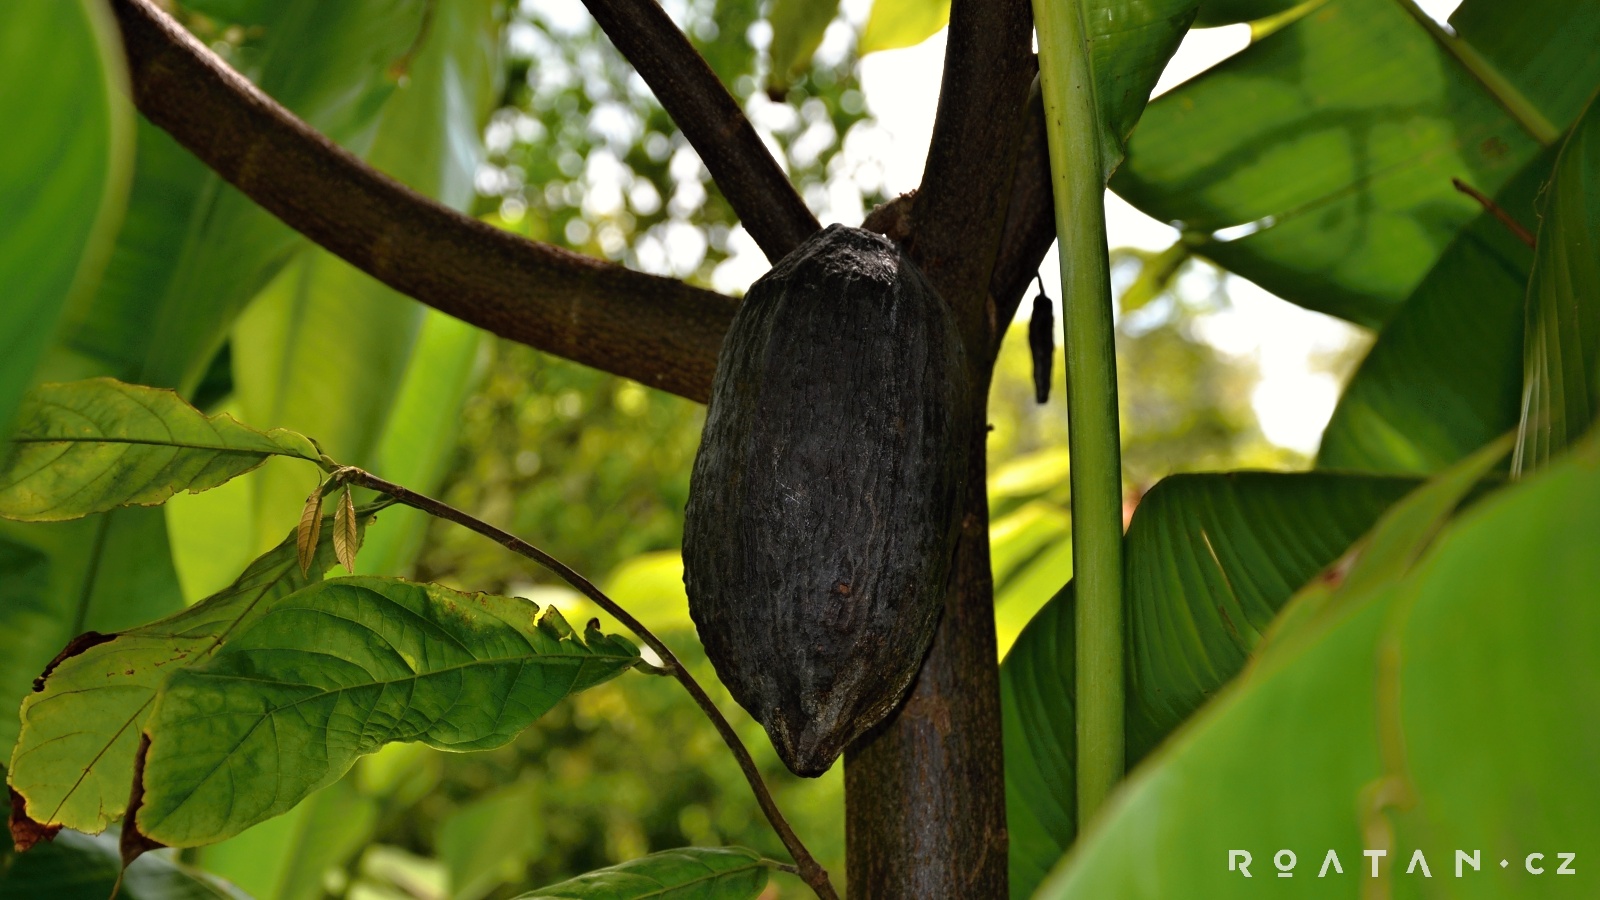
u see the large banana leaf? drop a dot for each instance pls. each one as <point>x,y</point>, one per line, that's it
<point>1327,147</point>
<point>326,349</point>
<point>1445,375</point>
<point>1209,560</point>
<point>1562,355</point>
<point>1448,711</point>
<point>66,172</point>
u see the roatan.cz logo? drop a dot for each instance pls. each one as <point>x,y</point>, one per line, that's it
<point>1375,862</point>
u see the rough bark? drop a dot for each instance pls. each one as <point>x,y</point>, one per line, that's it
<point>925,792</point>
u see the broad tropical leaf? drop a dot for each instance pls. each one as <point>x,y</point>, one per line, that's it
<point>1327,147</point>
<point>289,858</point>
<point>327,350</point>
<point>1209,561</point>
<point>490,841</point>
<point>89,446</point>
<point>73,762</point>
<point>1445,375</point>
<point>692,873</point>
<point>336,670</point>
<point>79,867</point>
<point>417,442</point>
<point>67,170</point>
<point>192,250</point>
<point>1450,709</point>
<point>1562,351</point>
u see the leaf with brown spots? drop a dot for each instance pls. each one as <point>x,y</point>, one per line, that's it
<point>74,758</point>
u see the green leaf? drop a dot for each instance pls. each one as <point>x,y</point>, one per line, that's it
<point>1329,146</point>
<point>94,445</point>
<point>192,250</point>
<point>1445,375</point>
<point>692,873</point>
<point>1544,48</point>
<point>336,670</point>
<point>106,573</point>
<point>67,159</point>
<point>73,762</point>
<point>1228,12</point>
<point>1452,708</point>
<point>1562,353</point>
<point>490,841</point>
<point>797,29</point>
<point>420,437</point>
<point>79,867</point>
<point>893,24</point>
<point>1209,560</point>
<point>289,858</point>
<point>324,348</point>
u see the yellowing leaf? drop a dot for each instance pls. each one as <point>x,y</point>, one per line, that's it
<point>893,24</point>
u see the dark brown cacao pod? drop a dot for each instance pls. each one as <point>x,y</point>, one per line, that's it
<point>822,508</point>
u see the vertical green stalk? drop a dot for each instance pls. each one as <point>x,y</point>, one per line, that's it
<point>1077,172</point>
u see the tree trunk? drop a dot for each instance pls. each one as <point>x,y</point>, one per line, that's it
<point>925,791</point>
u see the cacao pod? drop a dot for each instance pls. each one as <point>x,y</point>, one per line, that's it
<point>822,515</point>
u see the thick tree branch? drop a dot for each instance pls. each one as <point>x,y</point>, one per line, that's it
<point>658,331</point>
<point>711,119</point>
<point>966,184</point>
<point>925,791</point>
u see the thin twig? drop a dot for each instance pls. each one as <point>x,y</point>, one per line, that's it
<point>807,866</point>
<point>1494,209</point>
<point>767,204</point>
<point>657,331</point>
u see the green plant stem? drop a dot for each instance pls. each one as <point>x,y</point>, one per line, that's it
<point>1079,179</point>
<point>806,866</point>
<point>1512,100</point>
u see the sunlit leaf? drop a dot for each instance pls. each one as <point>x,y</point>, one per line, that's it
<point>290,857</point>
<point>1562,350</point>
<point>1227,12</point>
<point>1321,156</point>
<point>692,873</point>
<point>1450,709</point>
<point>1445,375</point>
<point>893,24</point>
<point>1209,560</point>
<point>329,351</point>
<point>89,446</point>
<point>66,161</point>
<point>73,763</point>
<point>336,670</point>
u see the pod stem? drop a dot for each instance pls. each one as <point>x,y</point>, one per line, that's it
<point>1077,172</point>
<point>806,866</point>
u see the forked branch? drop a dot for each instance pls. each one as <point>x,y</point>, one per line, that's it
<point>711,119</point>
<point>806,865</point>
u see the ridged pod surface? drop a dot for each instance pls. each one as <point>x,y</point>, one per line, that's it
<point>822,507</point>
